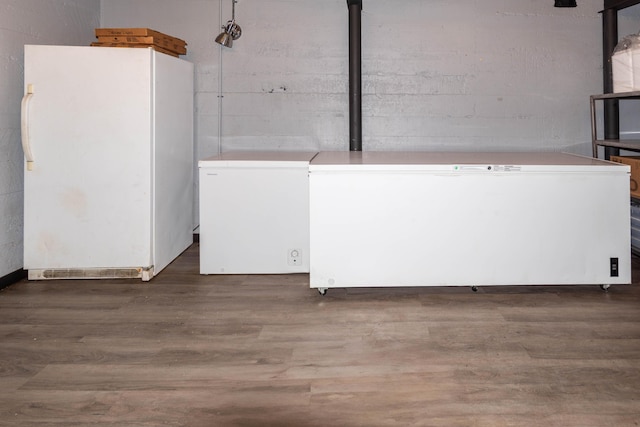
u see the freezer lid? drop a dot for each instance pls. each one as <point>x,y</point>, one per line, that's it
<point>460,162</point>
<point>263,159</point>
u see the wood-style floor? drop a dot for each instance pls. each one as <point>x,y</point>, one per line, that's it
<point>191,350</point>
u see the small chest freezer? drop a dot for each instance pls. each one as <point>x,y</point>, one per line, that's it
<point>254,213</point>
<point>467,219</point>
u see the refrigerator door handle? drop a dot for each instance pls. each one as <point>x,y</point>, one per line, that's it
<point>24,127</point>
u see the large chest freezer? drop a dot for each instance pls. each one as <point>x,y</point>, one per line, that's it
<point>467,219</point>
<point>254,213</point>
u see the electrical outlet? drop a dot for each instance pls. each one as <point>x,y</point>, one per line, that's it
<point>295,257</point>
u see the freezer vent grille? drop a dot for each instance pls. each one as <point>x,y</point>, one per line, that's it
<point>89,273</point>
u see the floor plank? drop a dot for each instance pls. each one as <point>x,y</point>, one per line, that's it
<point>265,350</point>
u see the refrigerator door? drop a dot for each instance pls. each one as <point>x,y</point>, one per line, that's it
<point>88,195</point>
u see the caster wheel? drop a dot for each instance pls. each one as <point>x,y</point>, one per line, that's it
<point>322,291</point>
<point>474,288</point>
<point>605,287</point>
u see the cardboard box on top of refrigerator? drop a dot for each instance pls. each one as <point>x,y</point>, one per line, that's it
<point>625,63</point>
<point>634,162</point>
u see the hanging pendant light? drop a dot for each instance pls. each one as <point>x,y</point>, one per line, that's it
<point>232,31</point>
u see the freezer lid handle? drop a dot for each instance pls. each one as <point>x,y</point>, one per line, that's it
<point>24,127</point>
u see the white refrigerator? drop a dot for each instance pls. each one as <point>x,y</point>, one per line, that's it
<point>467,219</point>
<point>108,182</point>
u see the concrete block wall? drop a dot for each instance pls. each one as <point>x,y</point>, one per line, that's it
<point>436,75</point>
<point>467,75</point>
<point>69,22</point>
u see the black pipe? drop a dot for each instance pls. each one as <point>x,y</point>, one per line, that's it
<point>355,75</point>
<point>611,107</point>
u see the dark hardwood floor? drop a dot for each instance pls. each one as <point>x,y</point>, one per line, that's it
<point>192,350</point>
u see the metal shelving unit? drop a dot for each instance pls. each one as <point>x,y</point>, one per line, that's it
<point>611,140</point>
<point>611,114</point>
<point>626,144</point>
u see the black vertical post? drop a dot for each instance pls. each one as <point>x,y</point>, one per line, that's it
<point>355,75</point>
<point>611,108</point>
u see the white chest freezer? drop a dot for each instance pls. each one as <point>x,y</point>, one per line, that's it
<point>467,219</point>
<point>254,213</point>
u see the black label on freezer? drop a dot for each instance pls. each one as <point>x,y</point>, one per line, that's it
<point>613,264</point>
